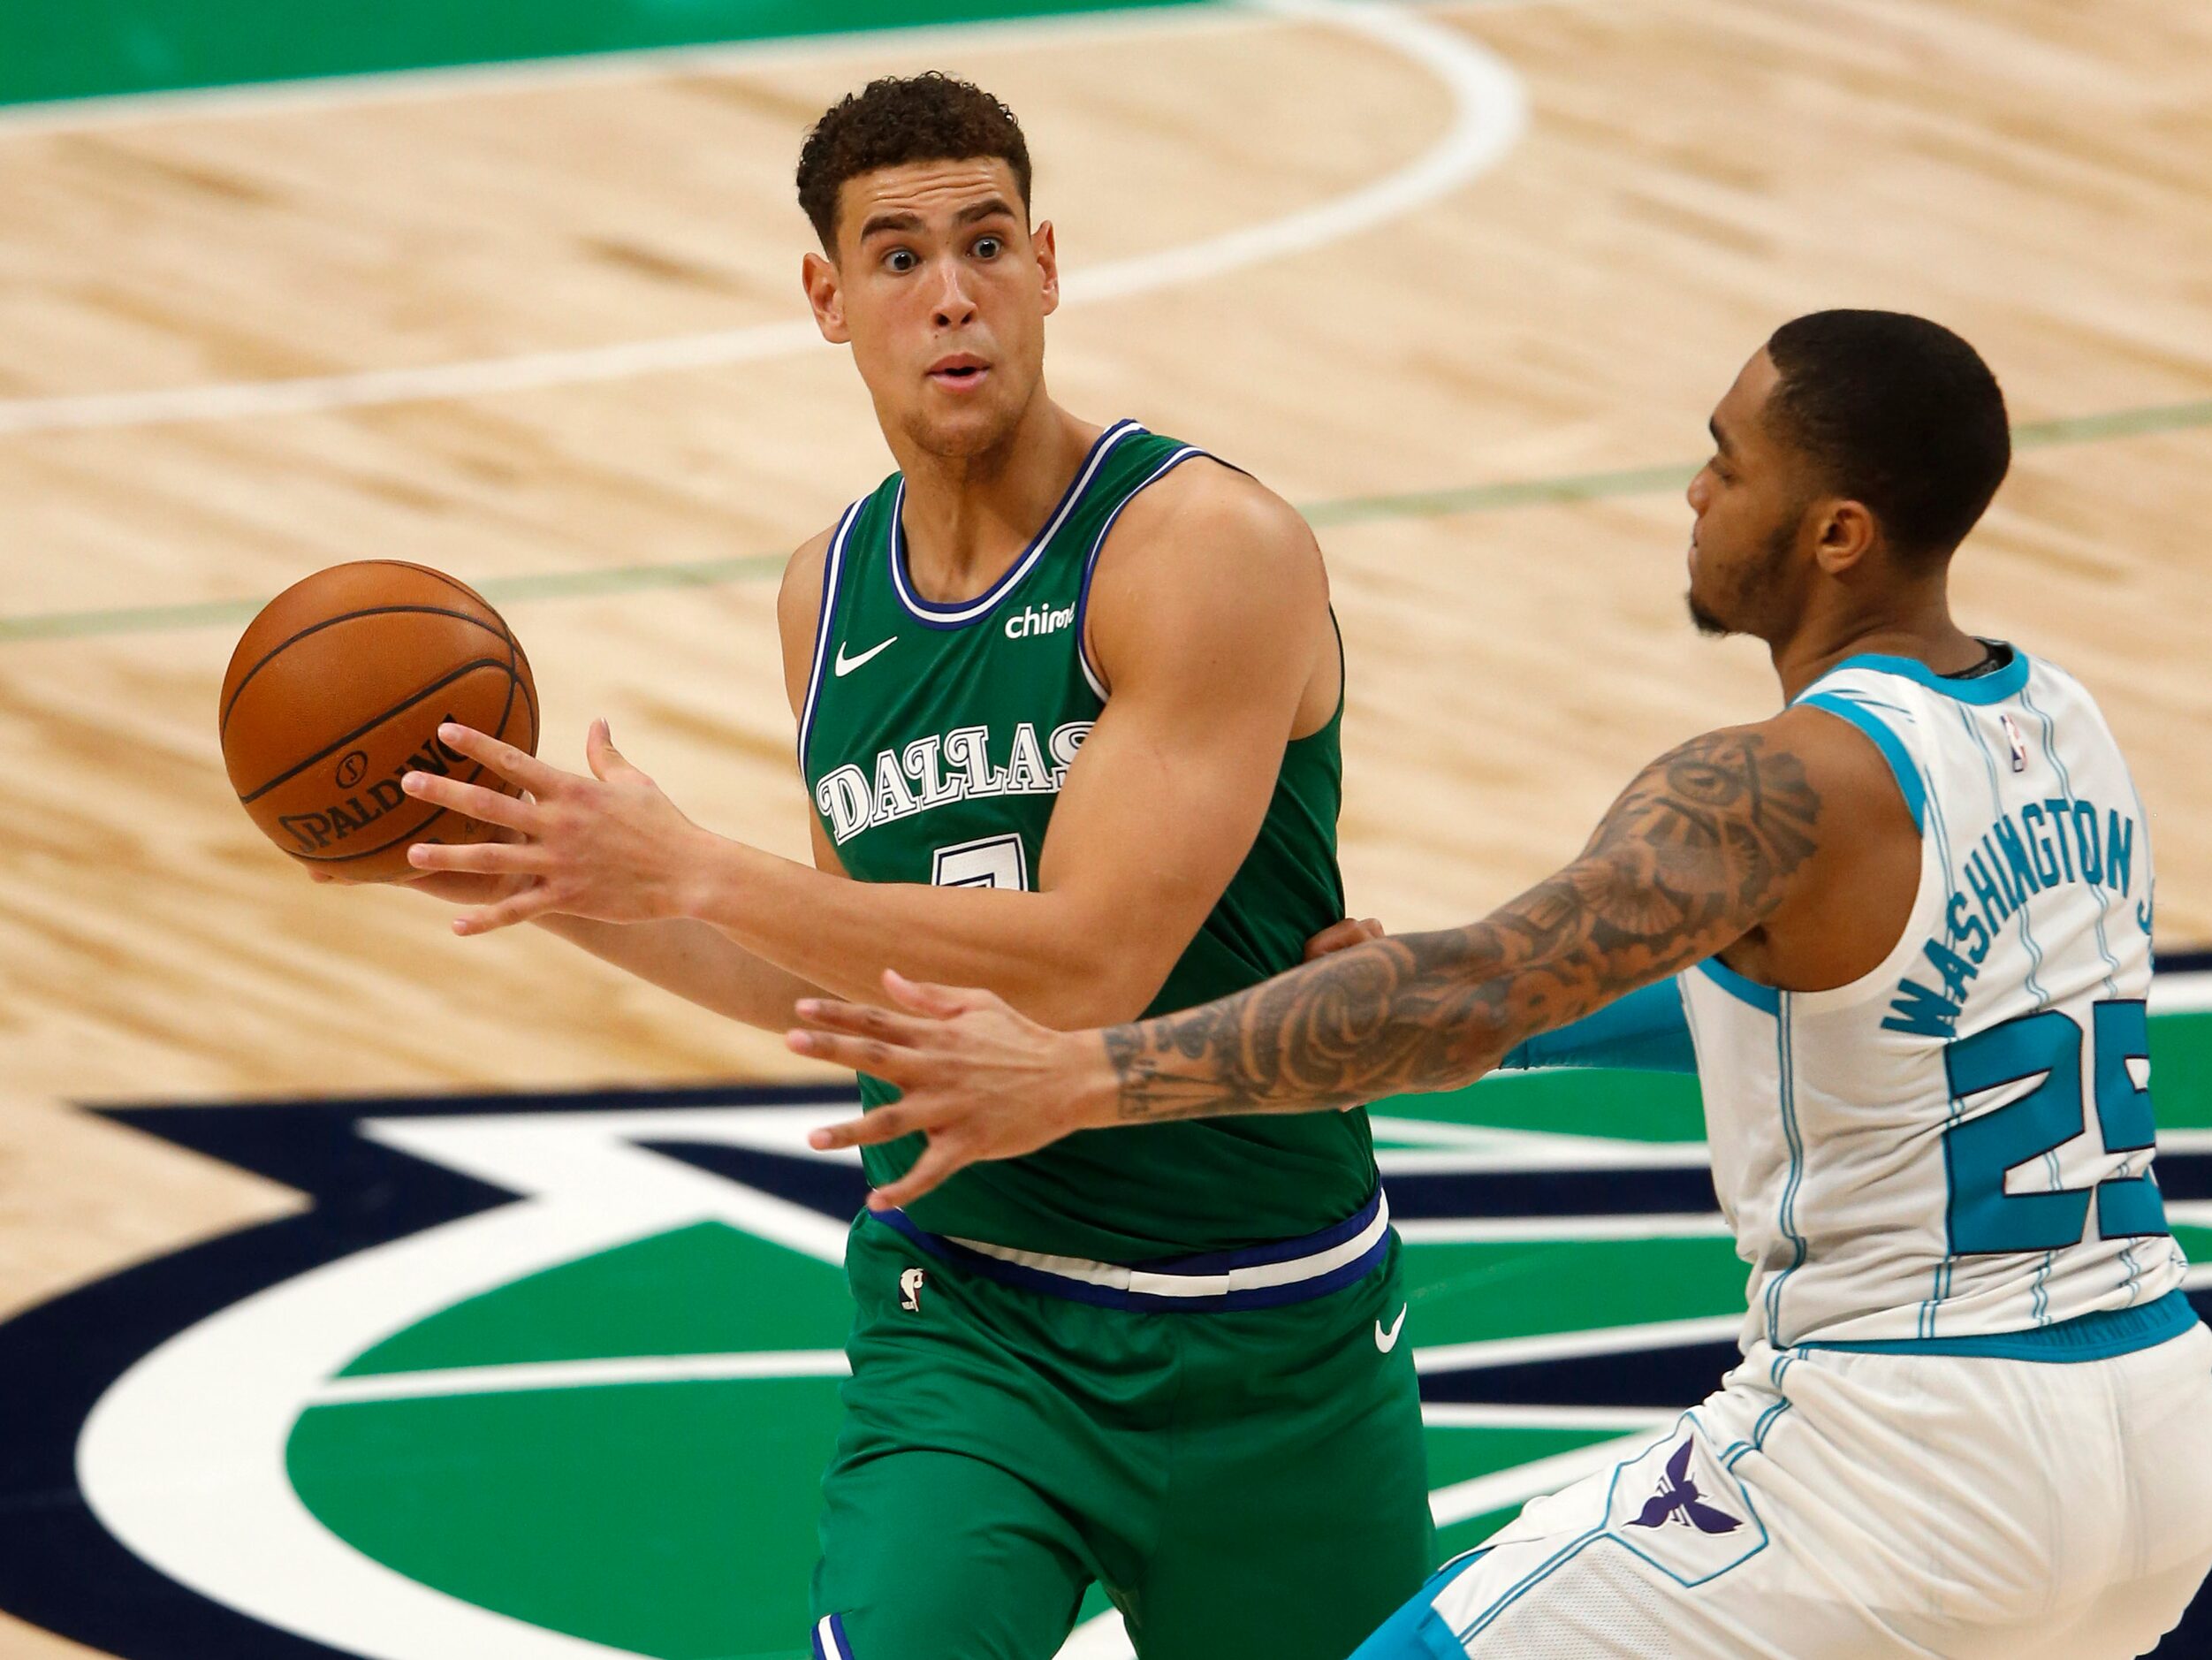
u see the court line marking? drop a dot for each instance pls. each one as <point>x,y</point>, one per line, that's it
<point>522,1376</point>
<point>1428,1230</point>
<point>248,99</point>
<point>1571,489</point>
<point>1503,1488</point>
<point>1489,114</point>
<point>1558,1345</point>
<point>1486,1415</point>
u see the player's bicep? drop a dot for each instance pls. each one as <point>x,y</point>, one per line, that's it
<point>1703,847</point>
<point>1208,660</point>
<point>1160,807</point>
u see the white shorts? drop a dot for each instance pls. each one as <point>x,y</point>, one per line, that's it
<point>1846,1506</point>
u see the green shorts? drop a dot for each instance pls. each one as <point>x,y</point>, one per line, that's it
<point>1243,1481</point>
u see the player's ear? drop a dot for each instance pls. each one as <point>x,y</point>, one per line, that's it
<point>1047,264</point>
<point>825,293</point>
<point>1847,534</point>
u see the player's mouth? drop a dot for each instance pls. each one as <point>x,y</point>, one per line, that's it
<point>963,371</point>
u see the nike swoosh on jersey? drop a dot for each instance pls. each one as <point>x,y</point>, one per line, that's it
<point>1387,1341</point>
<point>847,664</point>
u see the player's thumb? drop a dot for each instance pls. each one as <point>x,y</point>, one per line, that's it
<point>599,750</point>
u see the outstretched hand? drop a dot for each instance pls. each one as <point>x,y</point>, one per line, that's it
<point>981,1081</point>
<point>611,846</point>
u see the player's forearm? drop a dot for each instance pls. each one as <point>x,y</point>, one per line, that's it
<point>1034,949</point>
<point>694,962</point>
<point>1422,1011</point>
<point>1694,854</point>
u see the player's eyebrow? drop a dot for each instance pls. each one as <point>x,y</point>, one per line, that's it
<point>878,221</point>
<point>990,208</point>
<point>1720,438</point>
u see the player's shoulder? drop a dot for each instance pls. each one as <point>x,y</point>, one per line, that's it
<point>1205,523</point>
<point>800,597</point>
<point>1836,763</point>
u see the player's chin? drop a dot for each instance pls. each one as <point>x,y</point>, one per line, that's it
<point>954,427</point>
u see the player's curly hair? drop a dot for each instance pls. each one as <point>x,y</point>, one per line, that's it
<point>901,118</point>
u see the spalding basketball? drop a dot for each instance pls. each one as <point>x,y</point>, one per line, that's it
<point>338,690</point>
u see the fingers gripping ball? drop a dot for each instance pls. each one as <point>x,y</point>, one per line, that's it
<point>338,688</point>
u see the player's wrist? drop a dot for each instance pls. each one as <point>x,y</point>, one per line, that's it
<point>1093,1087</point>
<point>702,874</point>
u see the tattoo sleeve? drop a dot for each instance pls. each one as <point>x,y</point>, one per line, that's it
<point>1697,851</point>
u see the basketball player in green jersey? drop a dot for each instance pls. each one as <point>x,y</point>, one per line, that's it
<point>1068,700</point>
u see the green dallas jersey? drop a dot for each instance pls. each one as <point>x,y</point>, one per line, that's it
<point>934,739</point>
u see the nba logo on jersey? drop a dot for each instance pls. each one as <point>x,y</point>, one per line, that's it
<point>2020,744</point>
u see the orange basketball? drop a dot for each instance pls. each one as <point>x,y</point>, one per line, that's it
<point>338,689</point>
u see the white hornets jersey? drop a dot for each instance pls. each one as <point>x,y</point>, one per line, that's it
<point>1957,1146</point>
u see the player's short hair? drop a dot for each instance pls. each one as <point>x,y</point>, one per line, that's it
<point>1897,413</point>
<point>901,118</point>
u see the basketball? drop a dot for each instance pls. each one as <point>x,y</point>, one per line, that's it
<point>336,690</point>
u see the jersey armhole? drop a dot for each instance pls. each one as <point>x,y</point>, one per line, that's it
<point>1090,563</point>
<point>1923,915</point>
<point>1902,766</point>
<point>832,567</point>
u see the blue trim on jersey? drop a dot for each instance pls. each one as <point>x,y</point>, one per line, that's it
<point>1982,689</point>
<point>1765,999</point>
<point>2093,1336</point>
<point>1090,561</point>
<point>960,614</point>
<point>1076,1290</point>
<point>1892,747</point>
<point>832,568</point>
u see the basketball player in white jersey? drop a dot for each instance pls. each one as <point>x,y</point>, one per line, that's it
<point>1908,921</point>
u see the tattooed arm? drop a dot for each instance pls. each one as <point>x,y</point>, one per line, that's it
<point>1700,850</point>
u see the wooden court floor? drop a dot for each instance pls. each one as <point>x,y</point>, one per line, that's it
<point>1489,399</point>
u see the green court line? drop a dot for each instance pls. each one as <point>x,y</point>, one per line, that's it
<point>1564,489</point>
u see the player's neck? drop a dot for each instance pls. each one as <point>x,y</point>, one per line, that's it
<point>1911,623</point>
<point>966,519</point>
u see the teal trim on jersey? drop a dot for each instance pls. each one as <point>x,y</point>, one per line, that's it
<point>1892,747</point>
<point>1417,1631</point>
<point>2096,1336</point>
<point>1982,689</point>
<point>1648,1031</point>
<point>1765,999</point>
<point>1786,1215</point>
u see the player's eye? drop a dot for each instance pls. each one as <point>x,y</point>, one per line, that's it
<point>988,247</point>
<point>901,260</point>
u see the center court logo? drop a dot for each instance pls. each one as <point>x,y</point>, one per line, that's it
<point>554,1377</point>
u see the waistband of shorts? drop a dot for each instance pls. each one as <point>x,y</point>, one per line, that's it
<point>2100,1335</point>
<point>1271,1276</point>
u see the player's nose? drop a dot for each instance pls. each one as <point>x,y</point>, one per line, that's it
<point>955,305</point>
